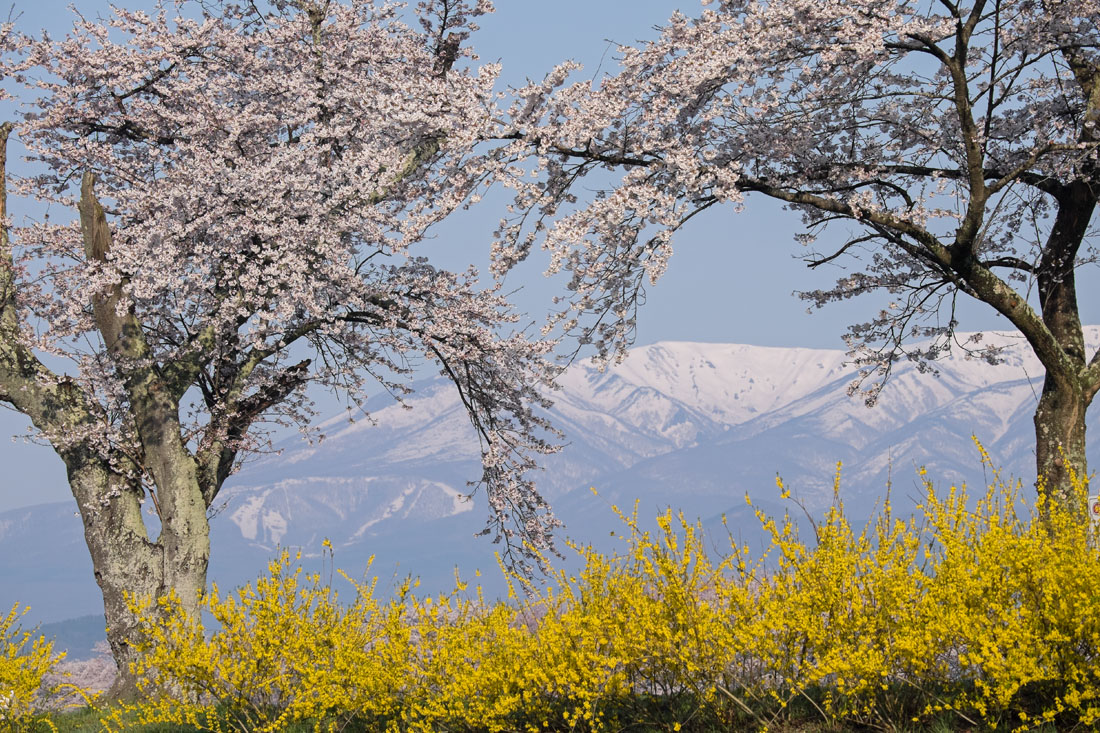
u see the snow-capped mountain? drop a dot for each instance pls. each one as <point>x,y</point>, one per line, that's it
<point>689,425</point>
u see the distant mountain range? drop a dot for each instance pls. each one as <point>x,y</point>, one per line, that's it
<point>689,425</point>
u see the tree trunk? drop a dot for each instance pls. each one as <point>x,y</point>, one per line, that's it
<point>1060,443</point>
<point>123,557</point>
<point>1060,416</point>
<point>127,563</point>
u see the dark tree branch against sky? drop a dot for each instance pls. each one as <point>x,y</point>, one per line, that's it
<point>954,145</point>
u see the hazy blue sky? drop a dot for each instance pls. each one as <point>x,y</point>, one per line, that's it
<point>731,279</point>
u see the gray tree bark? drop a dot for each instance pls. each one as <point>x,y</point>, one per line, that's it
<point>127,563</point>
<point>1060,444</point>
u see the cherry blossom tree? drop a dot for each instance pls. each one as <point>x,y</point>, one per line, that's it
<point>953,144</point>
<point>235,192</point>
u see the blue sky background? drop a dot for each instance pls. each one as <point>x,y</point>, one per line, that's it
<point>731,279</point>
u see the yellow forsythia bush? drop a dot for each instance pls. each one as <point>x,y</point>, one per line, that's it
<point>467,662</point>
<point>832,614</point>
<point>978,611</point>
<point>284,650</point>
<point>1015,607</point>
<point>976,607</point>
<point>25,662</point>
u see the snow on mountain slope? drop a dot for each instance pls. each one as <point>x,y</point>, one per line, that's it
<point>351,508</point>
<point>436,430</point>
<point>920,420</point>
<point>724,383</point>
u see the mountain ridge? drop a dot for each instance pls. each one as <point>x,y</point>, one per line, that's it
<point>684,424</point>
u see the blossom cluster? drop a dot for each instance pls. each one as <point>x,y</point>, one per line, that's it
<point>262,175</point>
<point>919,129</point>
